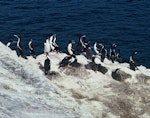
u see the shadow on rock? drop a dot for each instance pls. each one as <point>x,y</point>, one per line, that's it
<point>53,75</point>
<point>96,67</point>
<point>144,79</point>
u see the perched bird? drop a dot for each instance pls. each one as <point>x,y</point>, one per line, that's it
<point>20,47</point>
<point>115,75</point>
<point>103,52</point>
<point>56,46</point>
<point>70,50</point>
<point>47,47</point>
<point>10,43</point>
<point>96,49</point>
<point>132,62</point>
<point>80,47</point>
<point>113,52</point>
<point>118,56</point>
<point>47,65</point>
<point>32,49</point>
<point>120,75</point>
<point>88,50</point>
<point>52,48</point>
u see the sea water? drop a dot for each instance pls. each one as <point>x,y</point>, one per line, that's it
<point>124,22</point>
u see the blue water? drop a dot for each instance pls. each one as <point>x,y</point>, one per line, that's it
<point>124,22</point>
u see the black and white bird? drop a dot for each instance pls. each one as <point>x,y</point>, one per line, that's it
<point>88,50</point>
<point>10,44</point>
<point>112,52</point>
<point>80,47</point>
<point>70,50</point>
<point>32,49</point>
<point>56,46</point>
<point>52,48</point>
<point>115,75</point>
<point>132,62</point>
<point>103,52</point>
<point>47,65</point>
<point>47,47</point>
<point>118,56</point>
<point>20,48</point>
<point>96,49</point>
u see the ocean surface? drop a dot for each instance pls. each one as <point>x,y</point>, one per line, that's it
<point>124,22</point>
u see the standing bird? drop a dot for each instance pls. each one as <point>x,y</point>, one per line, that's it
<point>113,52</point>
<point>118,56</point>
<point>70,49</point>
<point>115,75</point>
<point>96,49</point>
<point>87,49</point>
<point>20,47</point>
<point>103,52</point>
<point>56,46</point>
<point>47,65</point>
<point>80,47</point>
<point>32,49</point>
<point>10,44</point>
<point>52,48</point>
<point>132,62</point>
<point>47,47</point>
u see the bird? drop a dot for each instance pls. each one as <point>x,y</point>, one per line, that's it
<point>88,50</point>
<point>52,48</point>
<point>47,47</point>
<point>32,49</point>
<point>10,44</point>
<point>47,65</point>
<point>70,50</point>
<point>115,75</point>
<point>113,52</point>
<point>80,45</point>
<point>20,47</point>
<point>103,52</point>
<point>96,49</point>
<point>118,56</point>
<point>132,61</point>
